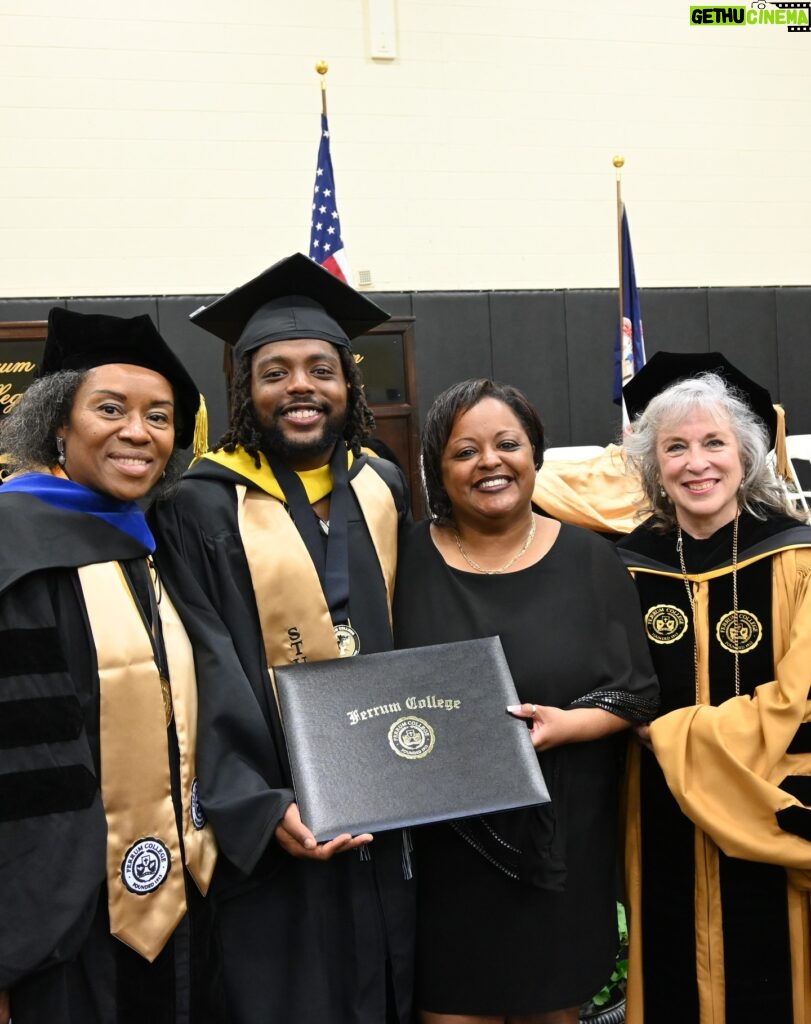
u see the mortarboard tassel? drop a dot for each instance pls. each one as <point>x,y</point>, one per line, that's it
<point>200,440</point>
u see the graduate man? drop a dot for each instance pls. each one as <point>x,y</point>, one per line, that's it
<point>284,538</point>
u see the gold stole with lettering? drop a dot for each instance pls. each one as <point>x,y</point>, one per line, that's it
<point>146,890</point>
<point>293,611</point>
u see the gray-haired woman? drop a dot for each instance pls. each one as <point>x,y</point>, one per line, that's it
<point>719,824</point>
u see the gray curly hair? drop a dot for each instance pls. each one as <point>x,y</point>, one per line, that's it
<point>28,433</point>
<point>761,488</point>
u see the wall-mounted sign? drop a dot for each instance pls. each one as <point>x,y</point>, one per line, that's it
<point>21,345</point>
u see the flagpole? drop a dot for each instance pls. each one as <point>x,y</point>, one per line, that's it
<point>619,162</point>
<point>322,68</point>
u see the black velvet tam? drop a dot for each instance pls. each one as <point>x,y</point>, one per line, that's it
<point>80,341</point>
<point>666,368</point>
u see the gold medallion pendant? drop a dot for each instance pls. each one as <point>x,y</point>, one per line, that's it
<point>665,623</point>
<point>166,693</point>
<point>347,639</point>
<point>739,631</point>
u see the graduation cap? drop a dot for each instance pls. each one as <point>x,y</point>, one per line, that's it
<point>666,368</point>
<point>295,298</point>
<point>80,341</point>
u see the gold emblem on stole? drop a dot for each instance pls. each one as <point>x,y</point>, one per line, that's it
<point>665,623</point>
<point>739,631</point>
<point>166,693</point>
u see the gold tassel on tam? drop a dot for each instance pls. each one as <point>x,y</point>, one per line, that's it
<point>200,440</point>
<point>780,453</point>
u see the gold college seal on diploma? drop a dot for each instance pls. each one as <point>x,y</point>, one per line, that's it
<point>739,632</point>
<point>411,738</point>
<point>348,640</point>
<point>665,623</point>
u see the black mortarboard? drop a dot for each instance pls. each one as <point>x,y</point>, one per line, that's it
<point>666,368</point>
<point>80,341</point>
<point>295,298</point>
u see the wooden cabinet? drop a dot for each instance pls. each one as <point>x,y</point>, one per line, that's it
<point>389,376</point>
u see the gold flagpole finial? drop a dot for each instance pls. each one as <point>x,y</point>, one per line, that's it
<point>322,68</point>
<point>618,161</point>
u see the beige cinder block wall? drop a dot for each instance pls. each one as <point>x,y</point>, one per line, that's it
<point>169,147</point>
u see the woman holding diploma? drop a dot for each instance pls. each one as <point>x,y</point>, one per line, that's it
<point>517,915</point>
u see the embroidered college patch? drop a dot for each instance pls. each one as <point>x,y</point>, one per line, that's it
<point>146,866</point>
<point>198,817</point>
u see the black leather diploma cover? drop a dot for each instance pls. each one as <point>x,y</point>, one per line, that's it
<point>406,737</point>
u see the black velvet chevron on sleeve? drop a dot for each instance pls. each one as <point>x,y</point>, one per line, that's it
<point>24,723</point>
<point>798,786</point>
<point>797,820</point>
<point>801,744</point>
<point>42,791</point>
<point>30,652</point>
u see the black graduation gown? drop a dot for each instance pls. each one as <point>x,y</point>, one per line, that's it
<point>56,952</point>
<point>303,941</point>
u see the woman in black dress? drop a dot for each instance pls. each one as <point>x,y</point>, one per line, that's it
<point>517,918</point>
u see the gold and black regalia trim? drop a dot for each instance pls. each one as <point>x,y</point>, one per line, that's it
<point>720,819</point>
<point>54,925</point>
<point>239,619</point>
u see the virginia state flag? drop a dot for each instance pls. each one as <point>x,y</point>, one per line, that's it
<point>629,345</point>
<point>326,244</point>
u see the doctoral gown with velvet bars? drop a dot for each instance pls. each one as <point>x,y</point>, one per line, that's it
<point>56,953</point>
<point>719,822</point>
<point>303,941</point>
<point>489,943</point>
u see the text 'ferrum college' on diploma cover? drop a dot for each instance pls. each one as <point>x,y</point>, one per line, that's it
<point>406,737</point>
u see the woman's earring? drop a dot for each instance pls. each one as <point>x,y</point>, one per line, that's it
<point>60,449</point>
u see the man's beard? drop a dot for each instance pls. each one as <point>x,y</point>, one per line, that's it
<point>274,441</point>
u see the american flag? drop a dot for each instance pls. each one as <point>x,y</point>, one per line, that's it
<point>326,245</point>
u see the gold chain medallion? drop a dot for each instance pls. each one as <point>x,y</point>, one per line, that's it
<point>739,631</point>
<point>665,623</point>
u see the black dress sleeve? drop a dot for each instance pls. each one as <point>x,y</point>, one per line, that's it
<point>631,688</point>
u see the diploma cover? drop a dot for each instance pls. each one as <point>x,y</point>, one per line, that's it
<point>406,737</point>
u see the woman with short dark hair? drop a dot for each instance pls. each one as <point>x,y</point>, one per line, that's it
<point>516,911</point>
<point>103,843</point>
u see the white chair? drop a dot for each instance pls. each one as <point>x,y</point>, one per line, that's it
<point>798,449</point>
<point>573,453</point>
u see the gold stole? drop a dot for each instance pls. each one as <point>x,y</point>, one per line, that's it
<point>146,890</point>
<point>293,612</point>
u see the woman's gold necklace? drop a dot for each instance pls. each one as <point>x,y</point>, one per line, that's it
<point>689,589</point>
<point>503,568</point>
